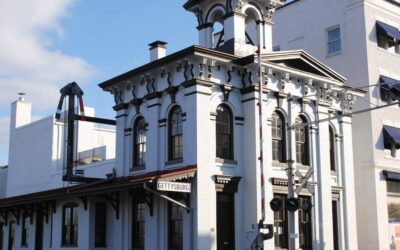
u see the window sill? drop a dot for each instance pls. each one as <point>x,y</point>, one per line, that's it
<point>333,54</point>
<point>334,173</point>
<point>69,246</point>
<point>302,167</point>
<point>173,162</point>
<point>388,51</point>
<point>279,164</point>
<point>225,161</point>
<point>137,168</point>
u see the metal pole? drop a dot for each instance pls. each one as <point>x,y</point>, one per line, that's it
<point>70,135</point>
<point>291,215</point>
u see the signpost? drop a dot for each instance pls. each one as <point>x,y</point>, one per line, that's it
<point>181,187</point>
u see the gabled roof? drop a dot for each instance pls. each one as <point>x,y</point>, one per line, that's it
<point>301,60</point>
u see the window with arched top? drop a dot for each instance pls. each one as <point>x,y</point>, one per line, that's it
<point>302,141</point>
<point>278,137</point>
<point>332,154</point>
<point>139,142</point>
<point>251,26</point>
<point>224,132</point>
<point>175,133</point>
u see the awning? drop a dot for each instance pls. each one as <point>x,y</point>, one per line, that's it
<point>388,30</point>
<point>391,176</point>
<point>391,135</point>
<point>387,82</point>
<point>100,187</point>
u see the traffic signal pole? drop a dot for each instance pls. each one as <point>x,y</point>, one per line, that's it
<point>291,215</point>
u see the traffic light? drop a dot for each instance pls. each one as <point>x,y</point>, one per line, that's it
<point>292,204</point>
<point>306,205</point>
<point>276,204</point>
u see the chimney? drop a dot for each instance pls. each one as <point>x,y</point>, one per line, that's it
<point>157,50</point>
<point>20,112</point>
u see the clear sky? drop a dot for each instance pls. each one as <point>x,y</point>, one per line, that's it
<point>45,44</point>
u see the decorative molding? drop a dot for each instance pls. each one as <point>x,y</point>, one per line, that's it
<point>226,90</point>
<point>137,103</point>
<point>226,184</point>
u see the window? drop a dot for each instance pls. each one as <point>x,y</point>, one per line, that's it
<point>70,225</point>
<point>224,132</point>
<point>278,138</point>
<point>175,134</point>
<point>301,138</point>
<point>138,224</point>
<point>334,41</point>
<point>393,206</point>
<point>281,224</point>
<point>335,223</point>
<point>391,139</point>
<point>100,235</point>
<point>1,235</point>
<point>175,230</point>
<point>332,155</point>
<point>139,135</point>
<point>11,235</point>
<point>25,230</point>
<point>388,37</point>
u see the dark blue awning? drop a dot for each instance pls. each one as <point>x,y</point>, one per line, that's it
<point>391,176</point>
<point>388,30</point>
<point>391,135</point>
<point>387,82</point>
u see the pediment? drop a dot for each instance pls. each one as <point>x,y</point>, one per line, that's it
<point>302,61</point>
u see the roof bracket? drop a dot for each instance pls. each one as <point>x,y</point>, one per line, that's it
<point>150,202</point>
<point>28,210</point>
<point>4,215</point>
<point>84,200</point>
<point>114,199</point>
<point>16,211</point>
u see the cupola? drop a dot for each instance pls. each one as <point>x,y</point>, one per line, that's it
<point>234,26</point>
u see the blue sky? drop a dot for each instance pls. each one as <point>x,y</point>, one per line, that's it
<point>46,44</point>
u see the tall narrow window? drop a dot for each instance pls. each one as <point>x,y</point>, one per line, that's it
<point>281,224</point>
<point>175,134</point>
<point>278,138</point>
<point>224,132</point>
<point>334,41</point>
<point>25,230</point>
<point>1,235</point>
<point>139,136</point>
<point>332,149</point>
<point>301,134</point>
<point>175,230</point>
<point>70,225</point>
<point>138,224</point>
<point>11,235</point>
<point>100,236</point>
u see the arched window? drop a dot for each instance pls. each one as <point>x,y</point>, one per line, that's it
<point>175,134</point>
<point>224,132</point>
<point>302,147</point>
<point>139,136</point>
<point>332,149</point>
<point>278,138</point>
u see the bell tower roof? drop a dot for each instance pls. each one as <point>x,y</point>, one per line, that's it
<point>238,27</point>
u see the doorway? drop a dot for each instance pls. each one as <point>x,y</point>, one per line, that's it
<point>39,230</point>
<point>225,221</point>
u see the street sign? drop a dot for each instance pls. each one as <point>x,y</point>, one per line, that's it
<point>174,186</point>
<point>304,181</point>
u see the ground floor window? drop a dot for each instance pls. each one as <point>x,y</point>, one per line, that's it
<point>11,236</point>
<point>335,223</point>
<point>1,235</point>
<point>25,230</point>
<point>100,236</point>
<point>138,224</point>
<point>70,225</point>
<point>393,203</point>
<point>175,226</point>
<point>281,224</point>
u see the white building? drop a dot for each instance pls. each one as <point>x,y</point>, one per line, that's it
<point>190,122</point>
<point>359,39</point>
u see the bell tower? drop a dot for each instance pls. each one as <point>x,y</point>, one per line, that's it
<point>234,26</point>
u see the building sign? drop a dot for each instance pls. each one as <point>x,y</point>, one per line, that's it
<point>174,186</point>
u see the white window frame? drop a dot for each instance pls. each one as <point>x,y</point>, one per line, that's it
<point>328,42</point>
